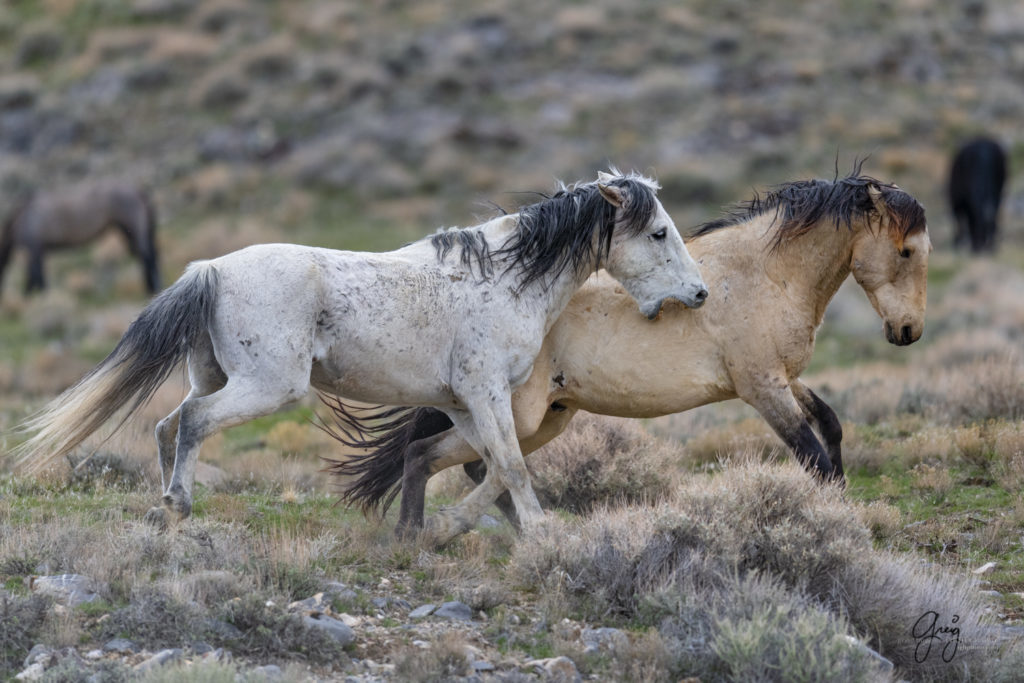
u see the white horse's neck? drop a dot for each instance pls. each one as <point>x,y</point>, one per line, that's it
<point>551,295</point>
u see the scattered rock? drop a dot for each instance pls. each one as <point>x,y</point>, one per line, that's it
<point>314,604</point>
<point>605,638</point>
<point>559,669</point>
<point>455,610</point>
<point>422,611</point>
<point>884,664</point>
<point>32,673</point>
<point>270,672</point>
<point>67,589</point>
<point>38,653</point>
<point>121,646</point>
<point>160,659</point>
<point>18,91</point>
<point>223,629</point>
<point>986,568</point>
<point>335,628</point>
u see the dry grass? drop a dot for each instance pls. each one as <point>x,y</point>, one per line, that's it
<point>761,530</point>
<point>601,460</point>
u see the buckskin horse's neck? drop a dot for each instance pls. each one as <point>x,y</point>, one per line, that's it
<point>814,265</point>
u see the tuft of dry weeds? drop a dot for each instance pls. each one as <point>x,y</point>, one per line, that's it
<point>763,530</point>
<point>600,460</point>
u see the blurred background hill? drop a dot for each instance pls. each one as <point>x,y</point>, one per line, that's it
<point>363,125</point>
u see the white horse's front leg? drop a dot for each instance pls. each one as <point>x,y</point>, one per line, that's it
<point>491,431</point>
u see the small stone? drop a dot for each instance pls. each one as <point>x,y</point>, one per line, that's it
<point>200,647</point>
<point>223,629</point>
<point>886,665</point>
<point>335,628</point>
<point>219,655</point>
<point>38,653</point>
<point>482,666</point>
<point>421,644</point>
<point>455,610</point>
<point>985,568</point>
<point>488,522</point>
<point>401,604</point>
<point>315,603</point>
<point>94,654</point>
<point>379,603</point>
<point>560,669</point>
<point>605,638</point>
<point>121,646</point>
<point>991,594</point>
<point>269,672</point>
<point>350,620</point>
<point>32,673</point>
<point>422,611</point>
<point>68,589</point>
<point>160,659</point>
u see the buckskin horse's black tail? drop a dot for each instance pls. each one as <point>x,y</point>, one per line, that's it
<point>386,433</point>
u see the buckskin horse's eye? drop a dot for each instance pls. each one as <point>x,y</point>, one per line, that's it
<point>660,235</point>
<point>905,253</point>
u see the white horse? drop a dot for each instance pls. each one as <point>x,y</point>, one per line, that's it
<point>409,327</point>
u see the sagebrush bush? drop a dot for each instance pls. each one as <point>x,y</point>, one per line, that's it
<point>599,460</point>
<point>753,522</point>
<point>21,621</point>
<point>268,630</point>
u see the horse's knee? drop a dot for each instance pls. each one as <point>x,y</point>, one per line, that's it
<point>476,471</point>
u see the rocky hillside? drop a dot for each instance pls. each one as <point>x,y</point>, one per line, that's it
<point>341,116</point>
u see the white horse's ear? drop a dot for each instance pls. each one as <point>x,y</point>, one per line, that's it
<point>603,177</point>
<point>612,194</point>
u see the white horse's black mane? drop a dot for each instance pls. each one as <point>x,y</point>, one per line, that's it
<point>557,232</point>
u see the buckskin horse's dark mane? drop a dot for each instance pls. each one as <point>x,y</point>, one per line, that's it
<point>803,204</point>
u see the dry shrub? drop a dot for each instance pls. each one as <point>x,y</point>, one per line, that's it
<point>447,658</point>
<point>882,519</point>
<point>600,460</point>
<point>733,554</point>
<point>749,435</point>
<point>932,479</point>
<point>288,437</point>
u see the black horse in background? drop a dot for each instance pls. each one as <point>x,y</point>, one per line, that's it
<point>975,190</point>
<point>72,216</point>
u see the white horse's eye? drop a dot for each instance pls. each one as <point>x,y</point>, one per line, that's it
<point>905,253</point>
<point>660,235</point>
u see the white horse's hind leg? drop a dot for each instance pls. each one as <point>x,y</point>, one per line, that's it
<point>199,417</point>
<point>205,377</point>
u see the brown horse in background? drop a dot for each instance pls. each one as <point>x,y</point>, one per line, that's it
<point>72,216</point>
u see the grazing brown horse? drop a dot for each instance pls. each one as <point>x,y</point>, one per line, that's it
<point>70,217</point>
<point>774,264</point>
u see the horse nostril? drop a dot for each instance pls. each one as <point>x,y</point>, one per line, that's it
<point>702,294</point>
<point>906,332</point>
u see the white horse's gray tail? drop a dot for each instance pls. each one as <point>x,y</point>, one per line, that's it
<point>155,343</point>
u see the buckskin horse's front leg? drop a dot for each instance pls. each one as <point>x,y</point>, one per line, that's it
<point>775,401</point>
<point>825,421</point>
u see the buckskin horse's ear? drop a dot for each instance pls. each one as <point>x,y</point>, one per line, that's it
<point>885,221</point>
<point>614,195</point>
<point>877,200</point>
